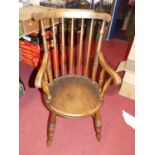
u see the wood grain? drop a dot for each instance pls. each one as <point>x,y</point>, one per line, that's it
<point>74,95</point>
<point>80,49</point>
<point>51,128</point>
<point>96,62</point>
<point>63,49</point>
<point>101,79</point>
<point>43,67</point>
<point>71,13</point>
<point>71,56</point>
<point>116,78</point>
<point>56,69</point>
<point>49,71</point>
<point>89,48</point>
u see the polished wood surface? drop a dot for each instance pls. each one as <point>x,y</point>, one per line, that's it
<point>63,61</point>
<point>98,125</point>
<point>51,128</point>
<point>44,63</point>
<point>49,71</point>
<point>114,75</point>
<point>74,96</point>
<point>96,61</point>
<point>79,60</point>
<point>71,55</point>
<point>56,70</point>
<point>73,92</point>
<point>101,80</point>
<point>71,13</point>
<point>89,48</point>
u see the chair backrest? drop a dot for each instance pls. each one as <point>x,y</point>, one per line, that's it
<point>63,15</point>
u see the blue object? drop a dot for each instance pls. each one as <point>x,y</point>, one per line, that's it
<point>113,20</point>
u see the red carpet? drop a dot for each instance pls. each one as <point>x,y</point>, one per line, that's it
<point>77,136</point>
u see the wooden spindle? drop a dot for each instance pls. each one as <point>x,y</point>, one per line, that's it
<point>71,61</point>
<point>46,89</point>
<point>63,50</point>
<point>101,77</point>
<point>49,71</point>
<point>56,69</point>
<point>44,80</point>
<point>44,37</point>
<point>89,47</point>
<point>45,77</point>
<point>46,52</point>
<point>96,61</point>
<point>105,86</point>
<point>80,48</point>
<point>49,67</point>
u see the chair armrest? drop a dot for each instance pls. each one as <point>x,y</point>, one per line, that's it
<point>114,75</point>
<point>42,69</point>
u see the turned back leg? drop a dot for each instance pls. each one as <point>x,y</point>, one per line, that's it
<point>98,125</point>
<point>51,127</point>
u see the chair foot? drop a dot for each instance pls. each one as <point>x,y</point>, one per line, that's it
<point>51,128</point>
<point>49,143</point>
<point>98,125</point>
<point>98,138</point>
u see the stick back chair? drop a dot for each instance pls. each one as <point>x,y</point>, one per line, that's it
<point>68,91</point>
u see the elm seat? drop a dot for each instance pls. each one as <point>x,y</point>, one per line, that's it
<point>74,96</point>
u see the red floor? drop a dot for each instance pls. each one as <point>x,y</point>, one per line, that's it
<point>77,136</point>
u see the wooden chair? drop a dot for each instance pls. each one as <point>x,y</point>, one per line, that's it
<point>69,92</point>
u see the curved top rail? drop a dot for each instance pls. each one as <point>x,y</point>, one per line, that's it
<point>71,13</point>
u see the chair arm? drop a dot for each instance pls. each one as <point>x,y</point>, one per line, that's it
<point>114,75</point>
<point>42,69</point>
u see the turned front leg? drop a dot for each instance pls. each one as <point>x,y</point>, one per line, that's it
<point>51,128</point>
<point>98,125</point>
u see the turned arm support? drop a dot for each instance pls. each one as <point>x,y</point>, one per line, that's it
<point>113,74</point>
<point>42,69</point>
<point>40,81</point>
